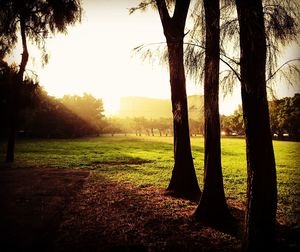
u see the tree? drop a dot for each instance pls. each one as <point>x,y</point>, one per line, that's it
<point>139,125</point>
<point>285,117</point>
<point>196,127</point>
<point>34,19</point>
<point>282,27</point>
<point>87,107</point>
<point>150,126</point>
<point>293,119</point>
<point>113,126</point>
<point>234,124</point>
<point>261,182</point>
<point>163,125</point>
<point>212,207</point>
<point>6,75</point>
<point>183,182</point>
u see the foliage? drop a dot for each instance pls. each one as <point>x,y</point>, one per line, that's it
<point>41,115</point>
<point>41,18</point>
<point>27,92</point>
<point>233,124</point>
<point>70,116</point>
<point>138,126</point>
<point>51,118</point>
<point>196,126</point>
<point>87,107</point>
<point>148,127</point>
<point>6,74</point>
<point>285,117</point>
<point>282,27</point>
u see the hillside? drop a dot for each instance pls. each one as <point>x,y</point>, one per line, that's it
<point>157,108</point>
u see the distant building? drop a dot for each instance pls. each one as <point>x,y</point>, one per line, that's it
<point>152,108</point>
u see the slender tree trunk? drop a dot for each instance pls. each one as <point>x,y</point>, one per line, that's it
<point>11,122</point>
<point>212,208</point>
<point>13,116</point>
<point>261,183</point>
<point>183,182</point>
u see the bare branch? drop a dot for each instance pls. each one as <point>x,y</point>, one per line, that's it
<point>279,69</point>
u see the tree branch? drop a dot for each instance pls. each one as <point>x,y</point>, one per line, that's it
<point>232,69</point>
<point>202,47</point>
<point>222,54</point>
<point>163,12</point>
<point>180,12</point>
<point>278,69</point>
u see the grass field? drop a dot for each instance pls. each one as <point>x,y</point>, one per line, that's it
<point>148,160</point>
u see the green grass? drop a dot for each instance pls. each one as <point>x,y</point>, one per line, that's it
<point>149,160</point>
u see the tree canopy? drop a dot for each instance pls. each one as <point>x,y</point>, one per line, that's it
<point>282,27</point>
<point>34,20</point>
<point>41,19</point>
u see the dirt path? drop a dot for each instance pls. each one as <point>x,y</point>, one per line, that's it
<point>32,201</point>
<point>44,209</point>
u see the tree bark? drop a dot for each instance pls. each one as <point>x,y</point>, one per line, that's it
<point>183,182</point>
<point>212,208</point>
<point>11,123</point>
<point>261,182</point>
<point>14,108</point>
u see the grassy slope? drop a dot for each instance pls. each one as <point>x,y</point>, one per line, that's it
<point>148,160</point>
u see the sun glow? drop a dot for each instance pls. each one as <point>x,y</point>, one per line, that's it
<point>96,57</point>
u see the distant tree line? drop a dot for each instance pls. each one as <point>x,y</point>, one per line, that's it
<point>233,125</point>
<point>284,119</point>
<point>56,118</point>
<point>44,116</point>
<point>138,126</point>
<point>73,116</point>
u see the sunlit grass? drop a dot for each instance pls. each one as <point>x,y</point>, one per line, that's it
<point>149,160</point>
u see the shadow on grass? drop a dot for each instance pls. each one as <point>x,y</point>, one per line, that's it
<point>112,215</point>
<point>288,238</point>
<point>66,210</point>
<point>31,205</point>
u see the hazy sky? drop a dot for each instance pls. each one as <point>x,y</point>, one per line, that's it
<point>96,57</point>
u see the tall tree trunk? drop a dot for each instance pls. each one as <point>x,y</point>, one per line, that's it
<point>14,101</point>
<point>261,183</point>
<point>212,208</point>
<point>183,182</point>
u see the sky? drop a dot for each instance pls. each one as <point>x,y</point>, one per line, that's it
<point>96,56</point>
